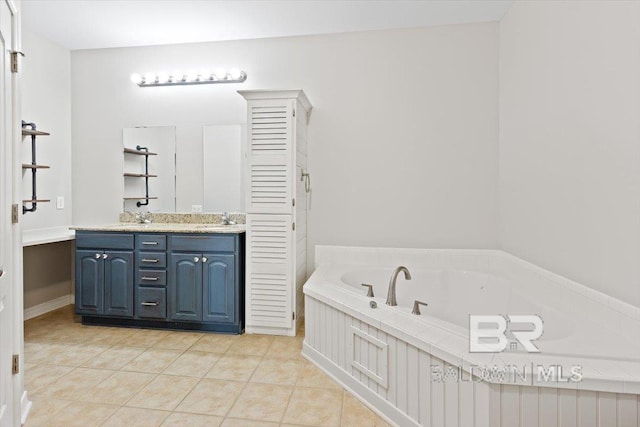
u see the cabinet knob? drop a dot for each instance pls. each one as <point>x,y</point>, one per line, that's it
<point>196,259</point>
<point>97,256</point>
<point>105,256</point>
<point>204,259</point>
<point>1,271</point>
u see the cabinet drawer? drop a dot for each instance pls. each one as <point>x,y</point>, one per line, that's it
<point>104,240</point>
<point>204,243</point>
<point>152,259</point>
<point>151,242</point>
<point>151,303</point>
<point>152,277</point>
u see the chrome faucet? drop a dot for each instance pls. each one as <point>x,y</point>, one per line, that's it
<point>143,217</point>
<point>226,219</point>
<point>391,295</point>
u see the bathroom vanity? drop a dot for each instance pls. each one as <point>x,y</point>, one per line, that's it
<point>177,276</point>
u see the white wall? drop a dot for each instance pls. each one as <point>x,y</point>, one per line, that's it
<point>403,138</point>
<point>46,100</point>
<point>570,141</point>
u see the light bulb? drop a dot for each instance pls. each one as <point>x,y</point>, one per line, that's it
<point>221,74</point>
<point>136,78</point>
<point>149,78</point>
<point>177,76</point>
<point>191,76</point>
<point>163,77</point>
<point>235,73</point>
<point>205,75</point>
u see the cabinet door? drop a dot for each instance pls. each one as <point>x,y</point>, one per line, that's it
<point>118,283</point>
<point>270,156</point>
<point>219,288</point>
<point>89,282</point>
<point>270,281</point>
<point>185,285</point>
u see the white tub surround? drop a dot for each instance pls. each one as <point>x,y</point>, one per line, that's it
<point>417,370</point>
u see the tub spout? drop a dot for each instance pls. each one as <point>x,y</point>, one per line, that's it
<point>391,295</point>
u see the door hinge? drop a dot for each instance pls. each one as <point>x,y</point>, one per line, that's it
<point>293,226</point>
<point>14,60</point>
<point>293,316</point>
<point>15,364</point>
<point>15,214</point>
<point>293,202</point>
<point>294,112</point>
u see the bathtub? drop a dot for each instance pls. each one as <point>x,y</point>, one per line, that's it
<point>418,370</point>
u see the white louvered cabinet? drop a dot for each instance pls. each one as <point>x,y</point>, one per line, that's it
<point>276,204</point>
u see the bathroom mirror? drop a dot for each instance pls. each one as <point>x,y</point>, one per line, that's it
<point>222,169</point>
<point>149,169</point>
<point>198,167</point>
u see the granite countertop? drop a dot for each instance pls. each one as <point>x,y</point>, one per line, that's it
<point>165,227</point>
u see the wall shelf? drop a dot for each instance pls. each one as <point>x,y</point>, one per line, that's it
<point>30,166</point>
<point>33,132</point>
<point>141,151</point>
<point>140,175</point>
<point>29,129</point>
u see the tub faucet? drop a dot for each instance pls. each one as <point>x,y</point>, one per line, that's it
<point>391,295</point>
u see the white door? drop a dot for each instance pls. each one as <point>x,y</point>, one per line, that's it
<point>7,281</point>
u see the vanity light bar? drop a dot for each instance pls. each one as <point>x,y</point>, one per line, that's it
<point>189,78</point>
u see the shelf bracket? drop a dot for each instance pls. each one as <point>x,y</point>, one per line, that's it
<point>146,177</point>
<point>34,197</point>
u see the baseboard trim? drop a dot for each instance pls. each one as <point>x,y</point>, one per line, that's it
<point>46,307</point>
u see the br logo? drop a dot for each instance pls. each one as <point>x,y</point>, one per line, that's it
<point>488,334</point>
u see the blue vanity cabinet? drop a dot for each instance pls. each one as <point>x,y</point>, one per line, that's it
<point>203,287</point>
<point>186,286</point>
<point>206,281</point>
<point>191,281</point>
<point>219,286</point>
<point>89,282</point>
<point>151,276</point>
<point>118,283</point>
<point>104,274</point>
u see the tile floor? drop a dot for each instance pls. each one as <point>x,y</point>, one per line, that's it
<point>97,376</point>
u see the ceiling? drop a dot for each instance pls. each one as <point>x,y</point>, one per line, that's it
<point>91,24</point>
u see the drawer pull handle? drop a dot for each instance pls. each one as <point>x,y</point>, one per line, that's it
<point>149,243</point>
<point>150,260</point>
<point>153,279</point>
<point>149,304</point>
